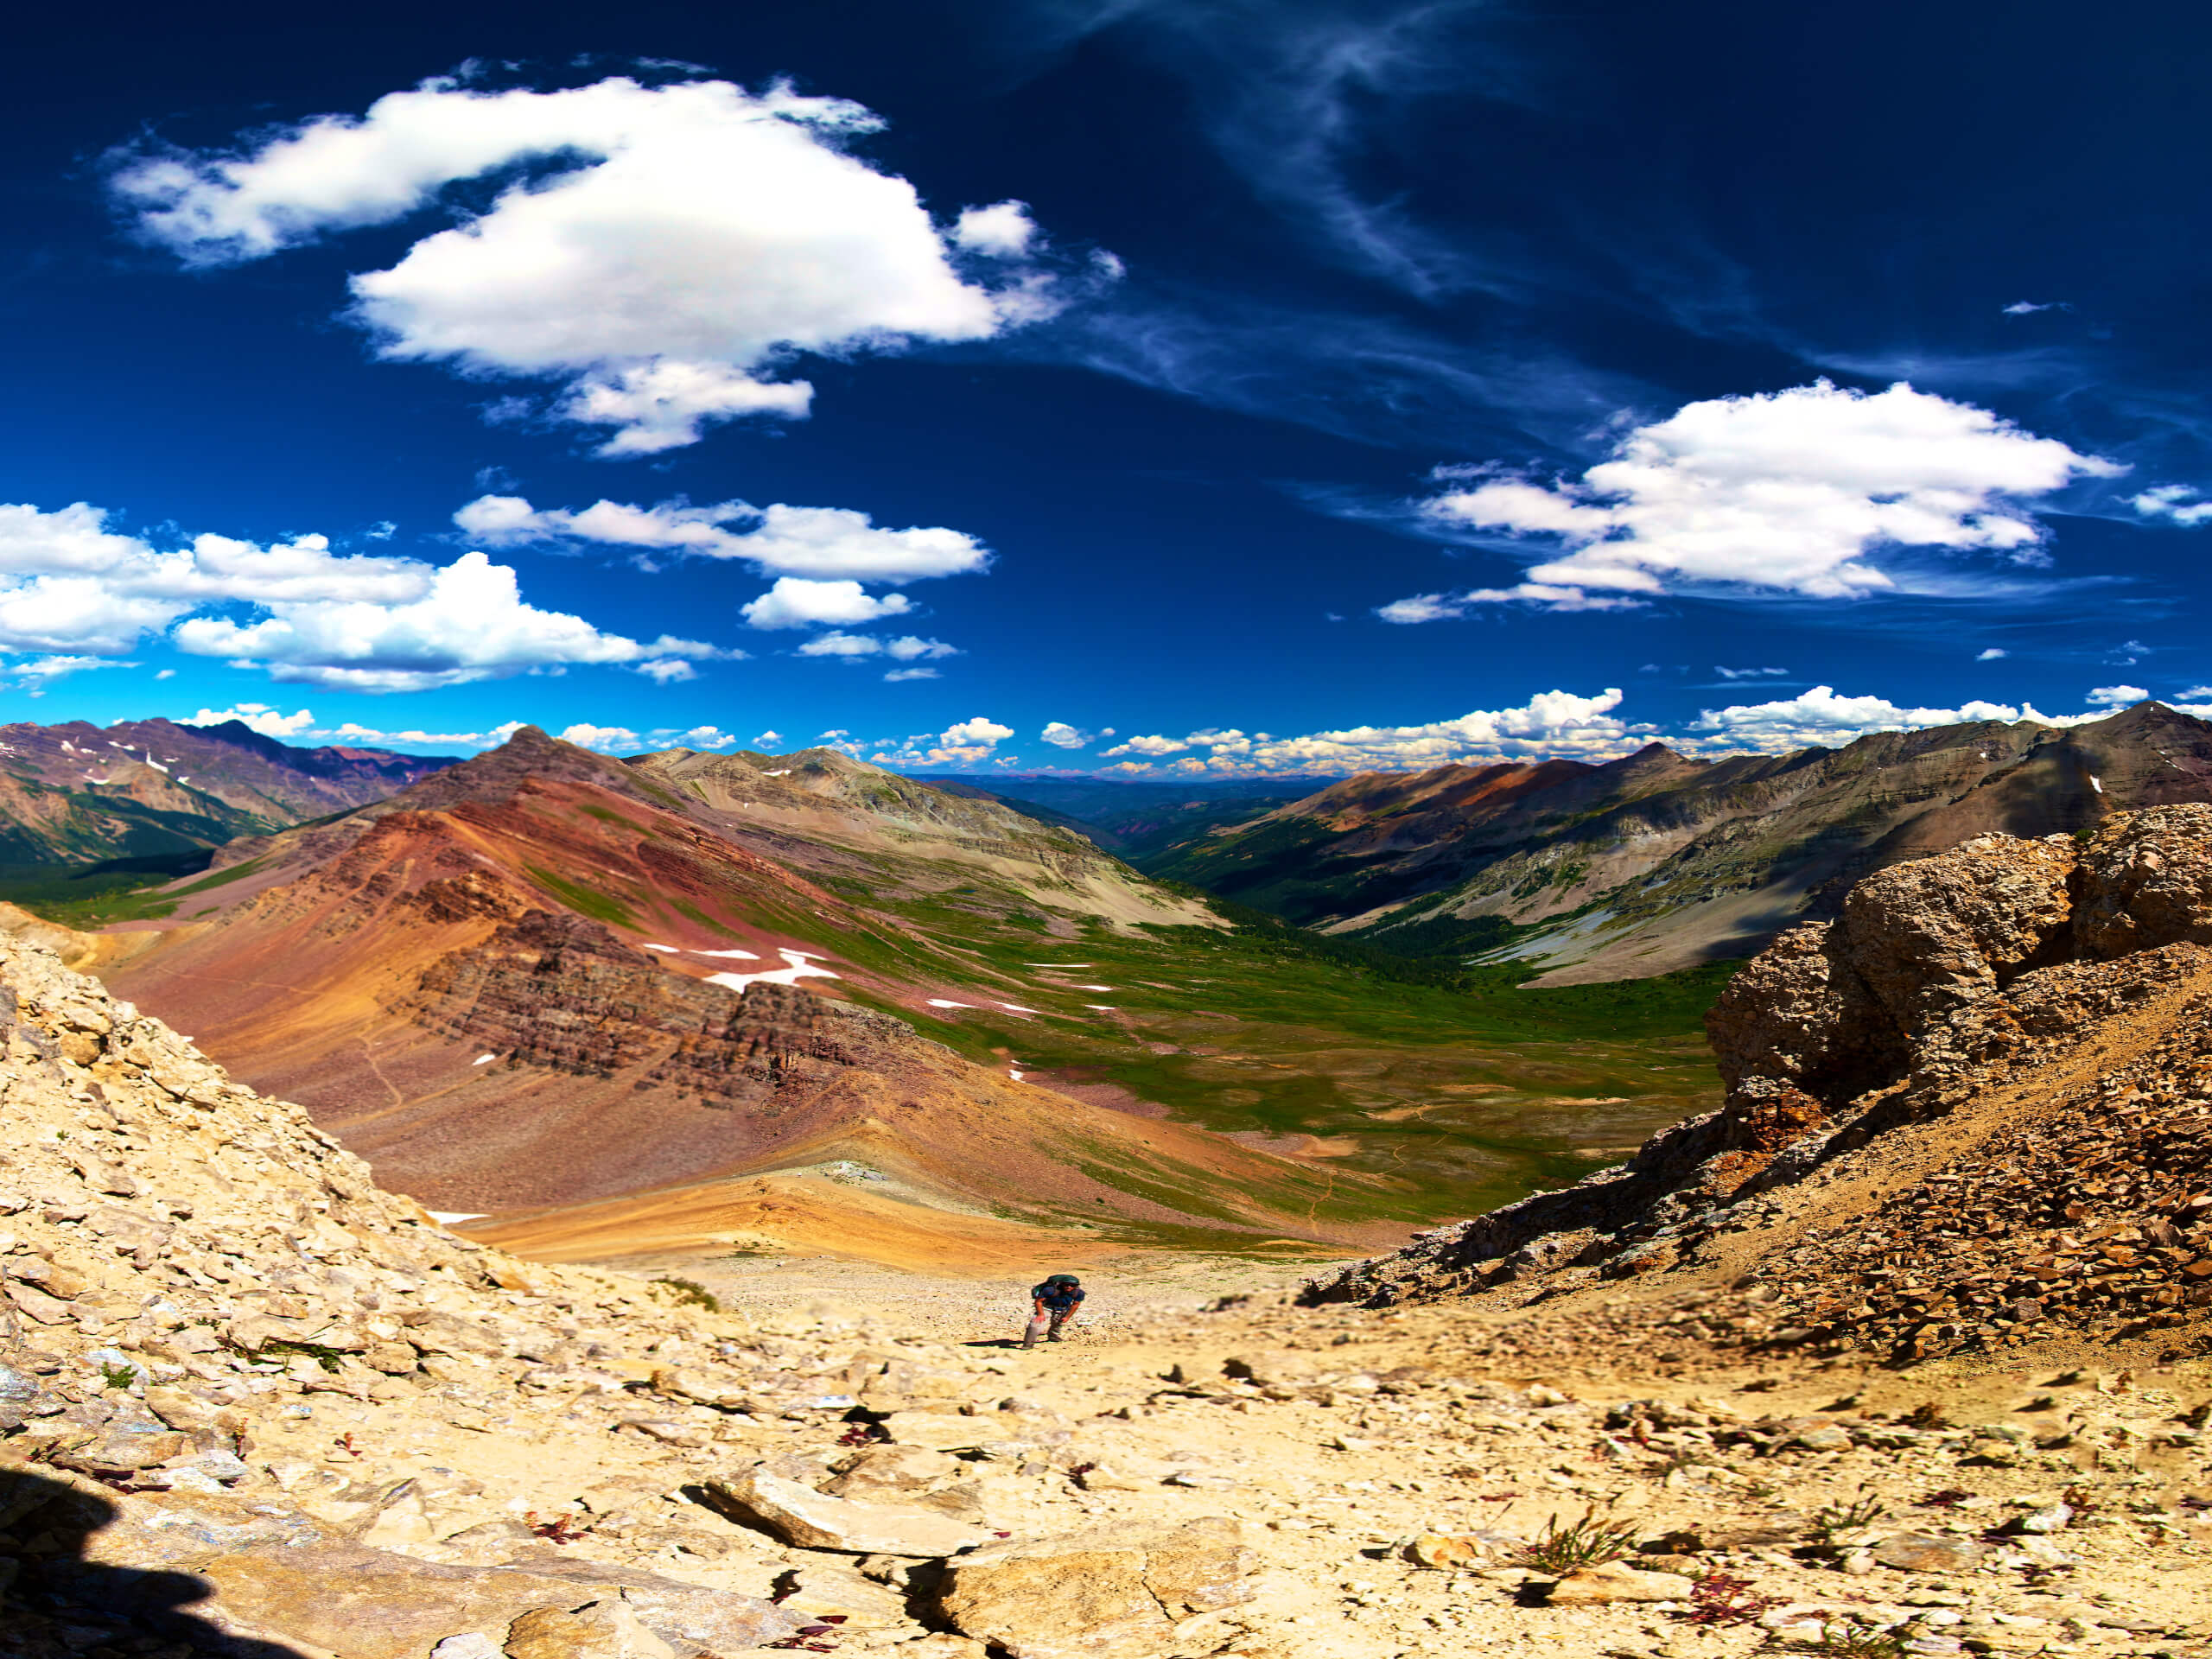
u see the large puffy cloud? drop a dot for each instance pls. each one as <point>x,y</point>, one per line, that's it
<point>607,739</point>
<point>796,602</point>
<point>71,584</point>
<point>350,732</point>
<point>472,623</point>
<point>825,543</point>
<point>73,587</point>
<point>673,248</point>
<point>1799,491</point>
<point>1549,723</point>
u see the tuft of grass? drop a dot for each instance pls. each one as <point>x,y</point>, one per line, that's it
<point>1861,1511</point>
<point>118,1377</point>
<point>323,1354</point>
<point>1856,1640</point>
<point>688,1293</point>
<point>1584,1543</point>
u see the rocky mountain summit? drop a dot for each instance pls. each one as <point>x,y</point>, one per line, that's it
<point>1972,1112</point>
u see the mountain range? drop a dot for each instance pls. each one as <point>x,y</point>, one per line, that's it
<point>78,793</point>
<point>798,1001</point>
<point>1657,861</point>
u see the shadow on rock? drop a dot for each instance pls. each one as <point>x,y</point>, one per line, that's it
<point>55,1603</point>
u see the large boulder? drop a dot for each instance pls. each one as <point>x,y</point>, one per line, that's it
<point>2146,881</point>
<point>1798,1014</point>
<point>1934,934</point>
<point>1114,1592</point>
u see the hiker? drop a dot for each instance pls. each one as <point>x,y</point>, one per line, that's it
<point>1053,1304</point>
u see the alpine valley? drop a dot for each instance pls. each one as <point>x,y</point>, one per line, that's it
<point>690,1001</point>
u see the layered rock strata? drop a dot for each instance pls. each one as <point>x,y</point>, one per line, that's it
<point>555,990</point>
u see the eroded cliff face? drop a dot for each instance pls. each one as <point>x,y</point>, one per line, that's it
<point>1973,1029</point>
<point>555,990</point>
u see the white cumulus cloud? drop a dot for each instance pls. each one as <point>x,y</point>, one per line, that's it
<point>2172,501</point>
<point>905,648</point>
<point>2117,696</point>
<point>72,587</point>
<point>667,251</point>
<point>1061,735</point>
<point>798,602</point>
<point>815,542</point>
<point>607,739</point>
<point>1799,492</point>
<point>352,733</point>
<point>1990,654</point>
<point>1819,716</point>
<point>1004,229</point>
<point>963,743</point>
<point>471,624</point>
<point>899,676</point>
<point>1549,723</point>
<point>257,716</point>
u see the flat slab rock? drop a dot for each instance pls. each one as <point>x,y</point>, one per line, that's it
<point>1106,1592</point>
<point>806,1519</point>
<point>287,1579</point>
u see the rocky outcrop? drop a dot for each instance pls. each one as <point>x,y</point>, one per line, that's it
<point>1942,980</point>
<point>553,989</point>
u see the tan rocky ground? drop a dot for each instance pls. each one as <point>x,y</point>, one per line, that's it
<point>251,1405</point>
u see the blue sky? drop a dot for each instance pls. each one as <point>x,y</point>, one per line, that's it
<point>1151,388</point>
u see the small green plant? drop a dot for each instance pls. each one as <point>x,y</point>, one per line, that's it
<point>323,1354</point>
<point>1861,1511</point>
<point>1586,1543</point>
<point>690,1294</point>
<point>118,1377</point>
<point>1856,1640</point>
